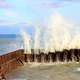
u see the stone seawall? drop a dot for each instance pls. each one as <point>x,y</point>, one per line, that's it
<point>61,56</point>
<point>10,61</point>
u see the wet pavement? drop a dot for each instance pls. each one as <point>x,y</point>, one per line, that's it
<point>48,71</point>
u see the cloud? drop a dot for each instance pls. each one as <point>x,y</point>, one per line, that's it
<point>7,23</point>
<point>49,3</point>
<point>70,0</point>
<point>4,4</point>
<point>16,22</point>
<point>54,4</point>
<point>9,18</point>
<point>8,13</point>
<point>25,24</point>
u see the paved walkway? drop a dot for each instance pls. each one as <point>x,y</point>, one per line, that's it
<point>45,72</point>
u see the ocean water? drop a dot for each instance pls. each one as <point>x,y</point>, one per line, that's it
<point>9,43</point>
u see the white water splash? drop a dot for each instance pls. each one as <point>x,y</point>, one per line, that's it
<point>27,42</point>
<point>37,38</point>
<point>59,34</point>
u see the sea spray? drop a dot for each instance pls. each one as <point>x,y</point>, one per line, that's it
<point>57,38</point>
<point>36,43</point>
<point>26,45</point>
<point>58,28</point>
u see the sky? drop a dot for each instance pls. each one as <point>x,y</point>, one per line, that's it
<point>17,14</point>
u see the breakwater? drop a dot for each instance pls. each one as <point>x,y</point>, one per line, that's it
<point>72,55</point>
